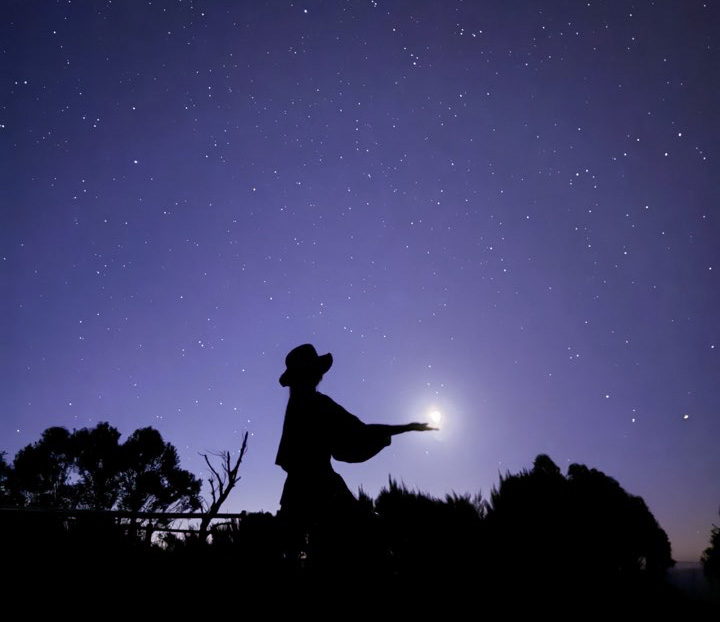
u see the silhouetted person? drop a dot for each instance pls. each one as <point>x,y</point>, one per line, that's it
<point>315,498</point>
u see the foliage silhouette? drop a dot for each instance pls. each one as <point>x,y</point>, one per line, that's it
<point>90,469</point>
<point>582,531</point>
<point>99,462</point>
<point>151,479</point>
<point>625,535</point>
<point>711,555</point>
<point>542,542</point>
<point>5,496</point>
<point>429,538</point>
<point>41,474</point>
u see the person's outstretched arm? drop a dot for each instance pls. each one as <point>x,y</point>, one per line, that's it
<point>392,430</point>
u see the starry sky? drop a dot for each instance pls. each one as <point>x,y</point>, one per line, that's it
<point>503,211</point>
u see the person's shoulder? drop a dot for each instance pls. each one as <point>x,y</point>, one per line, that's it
<point>329,404</point>
<point>338,413</point>
<point>326,400</point>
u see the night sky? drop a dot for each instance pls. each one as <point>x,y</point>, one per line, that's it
<point>503,211</point>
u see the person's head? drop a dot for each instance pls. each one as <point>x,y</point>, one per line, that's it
<point>304,367</point>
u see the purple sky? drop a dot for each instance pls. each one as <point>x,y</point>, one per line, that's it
<point>506,211</point>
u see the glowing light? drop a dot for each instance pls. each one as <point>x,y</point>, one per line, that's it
<point>435,417</point>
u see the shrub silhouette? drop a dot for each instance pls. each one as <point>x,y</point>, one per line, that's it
<point>616,530</point>
<point>582,531</point>
<point>426,538</point>
<point>711,555</point>
<point>541,534</point>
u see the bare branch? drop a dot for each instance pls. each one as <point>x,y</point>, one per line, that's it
<point>221,485</point>
<point>216,477</point>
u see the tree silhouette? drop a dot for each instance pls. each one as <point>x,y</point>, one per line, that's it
<point>151,479</point>
<point>98,460</point>
<point>90,469</point>
<point>711,556</point>
<point>583,529</point>
<point>42,473</point>
<point>5,496</point>
<point>221,483</point>
<point>625,535</point>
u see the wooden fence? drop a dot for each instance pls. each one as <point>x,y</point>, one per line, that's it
<point>118,516</point>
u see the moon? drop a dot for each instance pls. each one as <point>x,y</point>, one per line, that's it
<point>435,417</point>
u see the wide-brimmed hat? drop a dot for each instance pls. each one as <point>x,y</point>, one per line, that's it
<point>302,362</point>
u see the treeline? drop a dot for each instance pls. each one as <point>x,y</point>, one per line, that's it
<point>542,534</point>
<point>91,469</point>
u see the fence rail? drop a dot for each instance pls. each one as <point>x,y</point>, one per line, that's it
<point>120,513</point>
<point>118,516</point>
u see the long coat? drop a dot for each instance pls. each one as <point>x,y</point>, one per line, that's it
<point>315,430</point>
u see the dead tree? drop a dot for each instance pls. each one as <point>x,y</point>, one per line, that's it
<point>221,483</point>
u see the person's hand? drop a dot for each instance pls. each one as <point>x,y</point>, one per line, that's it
<point>419,427</point>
